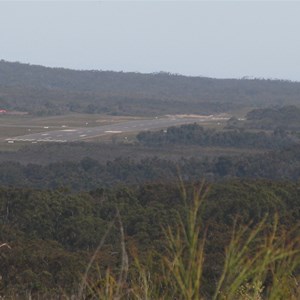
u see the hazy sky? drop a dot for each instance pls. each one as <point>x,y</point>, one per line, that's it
<point>216,39</point>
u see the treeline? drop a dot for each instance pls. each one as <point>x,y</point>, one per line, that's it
<point>86,174</point>
<point>280,119</point>
<point>194,134</point>
<point>49,91</point>
<point>52,234</point>
<point>89,173</point>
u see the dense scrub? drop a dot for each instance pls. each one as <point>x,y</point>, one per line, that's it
<point>194,134</point>
<point>52,234</point>
<point>280,119</point>
<point>89,174</point>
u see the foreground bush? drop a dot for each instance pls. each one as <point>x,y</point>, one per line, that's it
<point>260,262</point>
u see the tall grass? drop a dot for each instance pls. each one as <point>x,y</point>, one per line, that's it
<point>260,262</point>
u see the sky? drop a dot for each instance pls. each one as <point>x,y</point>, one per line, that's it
<point>220,39</point>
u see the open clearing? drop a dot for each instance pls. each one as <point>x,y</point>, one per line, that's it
<point>25,129</point>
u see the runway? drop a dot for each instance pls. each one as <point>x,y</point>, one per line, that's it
<point>83,133</point>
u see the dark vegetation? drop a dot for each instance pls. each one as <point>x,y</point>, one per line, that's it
<point>58,200</point>
<point>194,134</point>
<point>52,234</point>
<point>84,166</point>
<point>50,91</point>
<point>280,119</point>
<point>90,174</point>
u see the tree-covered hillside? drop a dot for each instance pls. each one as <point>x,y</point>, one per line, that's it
<point>42,90</point>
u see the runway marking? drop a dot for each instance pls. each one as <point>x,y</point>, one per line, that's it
<point>71,134</point>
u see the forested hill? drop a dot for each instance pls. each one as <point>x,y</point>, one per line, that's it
<point>42,90</point>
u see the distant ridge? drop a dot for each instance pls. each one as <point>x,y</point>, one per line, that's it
<point>43,90</point>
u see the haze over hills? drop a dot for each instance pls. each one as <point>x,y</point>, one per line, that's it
<point>50,91</point>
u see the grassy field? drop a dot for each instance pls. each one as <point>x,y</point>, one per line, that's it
<point>18,125</point>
